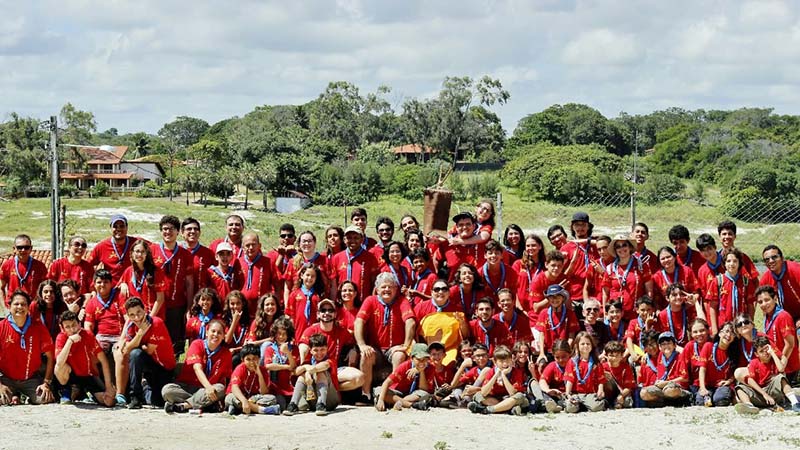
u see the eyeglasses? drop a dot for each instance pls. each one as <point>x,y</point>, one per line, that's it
<point>743,323</point>
<point>384,230</point>
<point>440,289</point>
<point>588,310</point>
<point>326,311</point>
<point>287,236</point>
<point>79,244</point>
<point>480,355</point>
<point>23,247</point>
<point>556,236</point>
<point>619,246</point>
<point>168,229</point>
<point>771,258</point>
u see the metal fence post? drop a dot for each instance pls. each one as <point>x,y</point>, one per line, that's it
<point>633,208</point>
<point>498,215</point>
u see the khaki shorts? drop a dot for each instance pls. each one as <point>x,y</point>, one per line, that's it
<point>773,388</point>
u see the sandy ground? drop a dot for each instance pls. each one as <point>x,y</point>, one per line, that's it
<point>68,427</point>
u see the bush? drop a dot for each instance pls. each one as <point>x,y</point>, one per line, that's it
<point>67,189</point>
<point>348,183</point>
<point>661,187</point>
<point>152,189</point>
<point>100,189</point>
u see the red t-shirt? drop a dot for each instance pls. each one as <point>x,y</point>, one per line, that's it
<point>506,278</point>
<point>17,275</point>
<point>83,273</point>
<point>202,259</point>
<point>296,310</point>
<point>282,380</point>
<point>557,324</point>
<point>693,359</point>
<point>138,287</point>
<point>175,265</point>
<point>622,374</point>
<point>299,261</point>
<point>223,282</point>
<point>495,334</point>
<point>466,301</point>
<point>592,380</point>
<point>20,363</point>
<point>379,332</point>
<point>722,300</point>
<point>237,249</point>
<point>194,325</point>
<point>82,357</point>
<point>422,283</point>
<point>455,255</point>
<point>634,331</point>
<point>107,320</point>
<point>445,375</point>
<point>648,371</point>
<point>680,322</point>
<point>670,370</point>
<point>693,259</point>
<point>258,277</point>
<point>718,366</point>
<point>401,273</point>
<point>158,335</point>
<point>471,375</point>
<point>220,369</point>
<point>346,318</point>
<point>338,339</point>
<point>790,283</point>
<point>778,328</point>
<point>519,326</point>
<point>115,258</point>
<point>516,377</point>
<point>247,381</point>
<point>761,372</point>
<point>649,258</point>
<point>400,381</point>
<point>553,375</point>
<point>626,284</point>
<point>578,261</point>
<point>428,307</point>
<point>362,270</point>
<point>525,279</point>
<point>540,284</point>
<point>706,274</point>
<point>746,350</point>
<point>662,281</point>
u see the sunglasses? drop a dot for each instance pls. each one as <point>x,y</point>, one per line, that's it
<point>771,258</point>
<point>619,246</point>
<point>384,230</point>
<point>743,323</point>
<point>24,247</point>
<point>440,289</point>
<point>591,309</point>
<point>79,244</point>
<point>327,311</point>
<point>287,236</point>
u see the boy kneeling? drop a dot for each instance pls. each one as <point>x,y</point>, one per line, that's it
<point>503,387</point>
<point>316,381</point>
<point>77,355</point>
<point>765,385</point>
<point>411,384</point>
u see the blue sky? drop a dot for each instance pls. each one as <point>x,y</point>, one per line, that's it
<point>138,65</point>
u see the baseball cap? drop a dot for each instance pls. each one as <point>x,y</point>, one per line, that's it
<point>324,301</point>
<point>666,336</point>
<point>556,289</point>
<point>354,229</point>
<point>116,218</point>
<point>420,351</point>
<point>464,215</point>
<point>580,216</point>
<point>224,246</point>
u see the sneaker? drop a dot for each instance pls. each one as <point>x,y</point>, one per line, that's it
<point>796,408</point>
<point>272,410</point>
<point>518,411</point>
<point>121,400</point>
<point>746,408</point>
<point>421,405</point>
<point>363,400</point>
<point>66,397</point>
<point>290,410</point>
<point>322,410</point>
<point>234,411</point>
<point>169,408</point>
<point>135,403</point>
<point>477,408</point>
<point>552,407</point>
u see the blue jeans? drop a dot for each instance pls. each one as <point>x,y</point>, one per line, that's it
<point>144,366</point>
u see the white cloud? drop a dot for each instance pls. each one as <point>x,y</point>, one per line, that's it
<point>602,47</point>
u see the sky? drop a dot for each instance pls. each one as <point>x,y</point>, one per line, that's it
<point>138,65</point>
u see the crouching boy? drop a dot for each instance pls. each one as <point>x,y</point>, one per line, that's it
<point>77,356</point>
<point>317,381</point>
<point>765,386</point>
<point>671,377</point>
<point>411,384</point>
<point>502,387</point>
<point>247,391</point>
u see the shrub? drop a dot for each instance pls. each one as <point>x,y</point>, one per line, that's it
<point>661,187</point>
<point>100,189</point>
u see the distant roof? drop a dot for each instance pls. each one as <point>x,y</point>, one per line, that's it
<point>105,154</point>
<point>412,148</point>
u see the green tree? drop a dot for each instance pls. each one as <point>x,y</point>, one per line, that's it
<point>183,131</point>
<point>23,158</point>
<point>76,126</point>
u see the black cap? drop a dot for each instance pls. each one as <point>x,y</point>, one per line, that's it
<point>464,215</point>
<point>580,216</point>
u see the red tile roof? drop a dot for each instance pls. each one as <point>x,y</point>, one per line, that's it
<point>413,148</point>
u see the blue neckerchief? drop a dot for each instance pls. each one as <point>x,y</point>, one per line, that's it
<point>238,339</point>
<point>204,320</point>
<point>688,262</point>
<point>667,363</point>
<point>463,303</point>
<point>641,329</point>
<point>110,301</point>
<point>228,277</point>
<point>749,355</point>
<point>193,249</point>
<point>130,326</point>
<point>387,311</point>
<point>486,331</point>
<point>553,326</point>
<point>404,281</point>
<point>623,281</point>
<point>620,329</point>
<point>414,384</point>
<point>513,320</point>
<point>241,250</point>
<point>310,262</point>
<point>441,308</point>
<point>421,277</point>
<point>308,293</point>
<point>489,279</point>
<point>121,256</point>
<point>734,294</point>
<point>168,261</point>
<point>585,378</point>
<point>672,325</point>
<point>314,361</point>
<point>19,330</point>
<point>350,260</point>
<point>714,358</point>
<point>675,276</point>
<point>714,267</point>
<point>560,369</point>
<point>210,354</point>
<point>138,284</point>
<point>586,251</point>
<point>27,269</point>
<point>650,364</point>
<point>277,357</point>
<point>250,266</point>
<point>779,282</point>
<point>769,323</point>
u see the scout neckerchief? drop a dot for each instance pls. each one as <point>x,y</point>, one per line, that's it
<point>513,320</point>
<point>204,320</point>
<point>586,251</point>
<point>120,256</point>
<point>623,280</point>
<point>387,311</point>
<point>350,260</point>
<point>241,250</point>
<point>667,364</point>
<point>209,355</point>
<point>442,307</point>
<point>463,303</point>
<point>688,260</point>
<point>403,273</point>
<point>308,293</point>
<point>310,261</point>
<point>314,361</point>
<point>779,282</point>
<point>138,284</point>
<point>419,278</point>
<point>250,266</point>
<point>238,339</point>
<point>22,279</point>
<point>672,325</point>
<point>488,278</point>
<point>641,329</point>
<point>734,293</point>
<point>724,364</point>
<point>650,364</point>
<point>110,301</point>
<point>512,252</point>
<point>554,327</point>
<point>486,331</point>
<point>193,249</point>
<point>748,355</point>
<point>228,276</point>
<point>714,267</point>
<point>130,326</point>
<point>675,276</point>
<point>168,261</point>
<point>577,362</point>
<point>769,322</point>
<point>20,331</point>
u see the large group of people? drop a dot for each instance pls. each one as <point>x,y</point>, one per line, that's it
<point>406,319</point>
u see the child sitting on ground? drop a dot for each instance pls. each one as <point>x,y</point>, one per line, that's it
<point>410,385</point>
<point>765,385</point>
<point>317,381</point>
<point>502,387</point>
<point>620,382</point>
<point>584,377</point>
<point>248,391</point>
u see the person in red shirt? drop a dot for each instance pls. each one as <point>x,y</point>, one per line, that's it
<point>672,377</point>
<point>347,304</point>
<point>205,307</point>
<point>202,256</point>
<point>746,333</point>
<point>475,359</point>
<point>594,279</point>
<point>236,316</point>
<point>22,272</point>
<point>780,329</point>
<point>727,237</point>
<point>484,329</point>
<point>495,273</point>
<point>784,277</point>
<point>467,288</point>
<point>692,353</point>
<point>626,278</point>
<point>77,356</point>
<point>280,356</point>
<point>502,387</point>
<point>248,390</point>
<point>679,238</point>
<point>384,327</point>
<point>144,353</point>
<point>584,377</point>
<point>765,385</point>
<point>682,310</point>
<point>334,243</point>
<point>145,280</point>
<point>549,391</point>
<point>555,322</point>
<point>258,271</point>
<point>466,248</point>
<point>439,302</point>
<point>716,375</point>
<point>620,382</point>
<point>422,278</point>
<point>354,264</point>
<point>410,385</point>
<point>48,306</point>
<point>384,227</point>
<point>73,266</point>
<point>281,259</point>
<point>645,321</point>
<point>69,294</point>
<point>731,292</point>
<point>553,274</point>
<point>579,255</point>
<point>392,261</point>
<point>176,264</point>
<point>318,378</point>
<point>113,252</point>
<point>513,243</point>
<point>528,267</point>
<point>269,309</point>
<point>223,277</point>
<point>670,272</point>
<point>24,345</point>
<point>640,234</point>
<point>358,218</point>
<point>517,321</point>
<point>303,300</point>
<point>104,311</point>
<point>307,255</point>
<point>234,228</point>
<point>713,266</point>
<point>205,373</point>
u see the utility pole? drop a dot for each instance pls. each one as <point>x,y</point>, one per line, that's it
<point>635,177</point>
<point>55,200</point>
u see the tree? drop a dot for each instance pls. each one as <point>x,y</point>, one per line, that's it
<point>76,126</point>
<point>23,158</point>
<point>184,131</point>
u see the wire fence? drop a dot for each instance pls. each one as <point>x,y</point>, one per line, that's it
<point>759,222</point>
